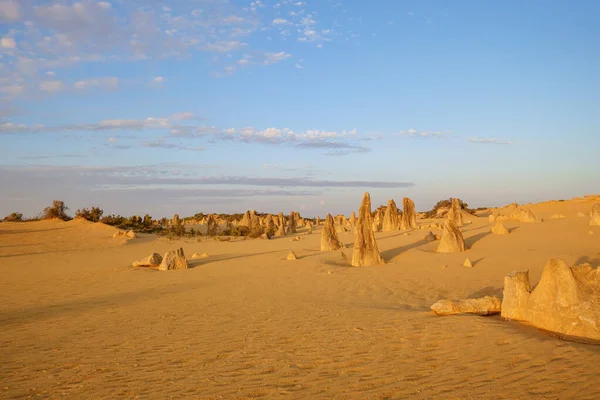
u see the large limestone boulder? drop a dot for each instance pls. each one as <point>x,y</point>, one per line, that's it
<point>595,215</point>
<point>565,301</point>
<point>391,220</point>
<point>500,229</point>
<point>524,215</point>
<point>483,306</point>
<point>174,259</point>
<point>365,251</point>
<point>329,237</point>
<point>452,239</point>
<point>153,260</point>
<point>409,217</point>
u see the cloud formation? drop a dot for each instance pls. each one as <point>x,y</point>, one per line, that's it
<point>488,141</point>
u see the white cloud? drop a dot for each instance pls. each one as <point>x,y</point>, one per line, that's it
<point>9,10</point>
<point>104,83</point>
<point>280,21</point>
<point>104,4</point>
<point>12,90</point>
<point>8,43</point>
<point>488,141</point>
<point>158,80</point>
<point>51,86</point>
<point>272,58</point>
<point>223,46</point>
<point>414,133</point>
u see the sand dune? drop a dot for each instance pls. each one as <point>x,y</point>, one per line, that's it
<point>78,321</point>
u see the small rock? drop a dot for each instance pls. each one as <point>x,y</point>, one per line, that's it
<point>483,306</point>
<point>296,239</point>
<point>590,232</point>
<point>500,229</point>
<point>264,236</point>
<point>153,260</point>
<point>430,237</point>
<point>131,234</point>
<point>196,255</point>
<point>558,216</point>
<point>468,263</point>
<point>292,256</point>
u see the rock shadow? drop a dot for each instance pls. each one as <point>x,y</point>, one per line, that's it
<point>389,255</point>
<point>470,241</point>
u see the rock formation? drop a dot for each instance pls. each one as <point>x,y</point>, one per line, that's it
<point>595,215</point>
<point>280,231</point>
<point>452,239</point>
<point>430,237</point>
<point>153,260</point>
<point>292,223</point>
<point>391,221</point>
<point>524,215</point>
<point>500,229</point>
<point>377,221</point>
<point>280,220</point>
<point>468,263</point>
<point>175,221</point>
<point>245,220</point>
<point>174,259</point>
<point>329,237</point>
<point>129,234</point>
<point>291,256</point>
<point>566,300</point>
<point>212,228</point>
<point>352,220</point>
<point>409,217</point>
<point>365,251</point>
<point>254,221</point>
<point>455,212</point>
<point>483,306</point>
<point>318,221</point>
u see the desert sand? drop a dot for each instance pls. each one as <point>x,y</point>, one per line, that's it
<point>78,321</point>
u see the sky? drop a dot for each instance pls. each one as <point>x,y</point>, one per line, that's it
<point>189,106</point>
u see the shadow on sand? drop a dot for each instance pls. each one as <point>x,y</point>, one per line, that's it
<point>389,255</point>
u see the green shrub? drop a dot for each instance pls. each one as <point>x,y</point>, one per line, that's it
<point>14,217</point>
<point>92,215</point>
<point>57,210</point>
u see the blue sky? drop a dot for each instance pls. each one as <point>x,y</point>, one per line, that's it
<point>222,106</point>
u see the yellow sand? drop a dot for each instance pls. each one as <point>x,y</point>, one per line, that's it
<point>77,321</point>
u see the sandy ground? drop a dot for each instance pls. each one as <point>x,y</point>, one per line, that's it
<point>77,321</point>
